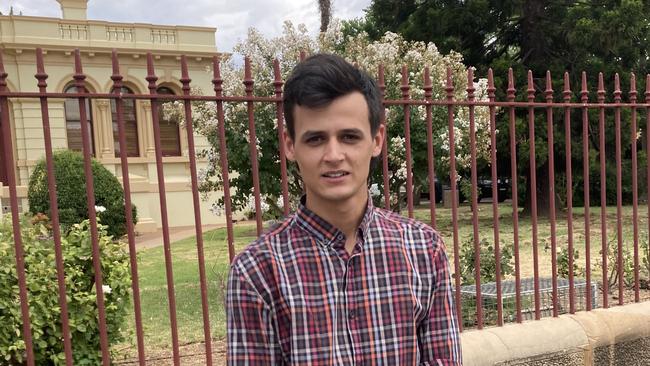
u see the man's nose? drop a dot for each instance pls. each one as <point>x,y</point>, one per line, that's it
<point>333,151</point>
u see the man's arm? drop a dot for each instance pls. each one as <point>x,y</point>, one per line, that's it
<point>252,339</point>
<point>438,334</point>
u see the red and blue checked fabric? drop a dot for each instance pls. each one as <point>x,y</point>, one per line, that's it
<point>295,296</point>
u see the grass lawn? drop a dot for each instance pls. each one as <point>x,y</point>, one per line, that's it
<point>506,235</point>
<point>153,287</point>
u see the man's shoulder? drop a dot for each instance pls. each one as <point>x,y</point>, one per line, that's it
<point>263,248</point>
<point>393,222</point>
<point>390,219</point>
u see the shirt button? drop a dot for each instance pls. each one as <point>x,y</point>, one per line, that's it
<point>352,314</point>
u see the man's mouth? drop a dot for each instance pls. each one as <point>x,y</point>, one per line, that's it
<point>335,174</point>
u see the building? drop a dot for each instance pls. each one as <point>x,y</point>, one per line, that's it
<point>58,37</point>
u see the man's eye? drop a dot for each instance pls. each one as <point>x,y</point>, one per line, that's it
<point>314,140</point>
<point>350,138</point>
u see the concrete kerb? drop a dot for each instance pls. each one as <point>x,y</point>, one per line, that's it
<point>539,341</point>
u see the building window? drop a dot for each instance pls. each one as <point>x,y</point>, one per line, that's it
<point>170,136</point>
<point>73,122</point>
<point>130,125</point>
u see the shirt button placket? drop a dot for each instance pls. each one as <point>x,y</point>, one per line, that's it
<point>353,312</point>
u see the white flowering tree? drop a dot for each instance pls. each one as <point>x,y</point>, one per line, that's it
<point>392,51</point>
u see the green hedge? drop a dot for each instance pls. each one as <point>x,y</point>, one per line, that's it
<point>71,192</point>
<point>42,287</point>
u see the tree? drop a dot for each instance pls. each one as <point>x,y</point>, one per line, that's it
<point>537,35</point>
<point>325,9</point>
<point>392,51</point>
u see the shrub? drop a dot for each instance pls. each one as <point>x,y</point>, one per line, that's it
<point>71,192</point>
<point>488,274</point>
<point>42,287</point>
<point>644,248</point>
<point>612,265</point>
<point>488,261</point>
<point>628,264</point>
<point>563,263</point>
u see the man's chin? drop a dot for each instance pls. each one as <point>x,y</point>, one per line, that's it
<point>340,195</point>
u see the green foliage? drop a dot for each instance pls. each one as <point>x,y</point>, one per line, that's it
<point>612,265</point>
<point>645,258</point>
<point>488,261</point>
<point>628,264</point>
<point>469,27</point>
<point>488,274</point>
<point>490,309</point>
<point>555,35</point>
<point>42,288</point>
<point>593,36</point>
<point>563,263</point>
<point>71,193</point>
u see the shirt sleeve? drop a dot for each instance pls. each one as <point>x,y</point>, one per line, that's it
<point>438,333</point>
<point>251,334</point>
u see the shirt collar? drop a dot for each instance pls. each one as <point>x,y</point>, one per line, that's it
<point>323,231</point>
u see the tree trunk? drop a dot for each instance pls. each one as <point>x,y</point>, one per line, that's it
<point>533,40</point>
<point>325,8</point>
<point>533,53</point>
<point>542,190</point>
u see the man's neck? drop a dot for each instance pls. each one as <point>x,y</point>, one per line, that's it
<point>345,216</point>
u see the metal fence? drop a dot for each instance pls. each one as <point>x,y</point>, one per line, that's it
<point>510,106</point>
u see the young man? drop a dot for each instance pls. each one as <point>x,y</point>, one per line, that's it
<point>340,282</point>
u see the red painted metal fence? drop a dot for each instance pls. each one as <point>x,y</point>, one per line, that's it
<point>510,106</point>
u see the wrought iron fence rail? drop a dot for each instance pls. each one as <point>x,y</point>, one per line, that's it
<point>507,108</point>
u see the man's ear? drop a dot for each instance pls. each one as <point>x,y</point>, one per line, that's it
<point>288,146</point>
<point>378,140</point>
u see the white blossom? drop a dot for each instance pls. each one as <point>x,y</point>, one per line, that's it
<point>401,172</point>
<point>106,289</point>
<point>216,209</point>
<point>201,175</point>
<point>251,204</point>
<point>391,50</point>
<point>100,209</point>
<point>280,202</point>
<point>264,206</point>
<point>374,190</point>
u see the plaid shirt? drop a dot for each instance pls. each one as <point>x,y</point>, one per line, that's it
<point>295,296</point>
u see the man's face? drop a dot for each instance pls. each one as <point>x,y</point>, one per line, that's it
<point>333,146</point>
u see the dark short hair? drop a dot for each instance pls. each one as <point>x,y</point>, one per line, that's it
<point>320,79</point>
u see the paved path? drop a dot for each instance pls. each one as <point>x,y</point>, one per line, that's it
<point>155,239</point>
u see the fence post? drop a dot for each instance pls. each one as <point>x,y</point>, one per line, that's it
<point>13,198</point>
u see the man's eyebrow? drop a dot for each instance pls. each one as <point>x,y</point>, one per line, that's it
<point>310,133</point>
<point>357,131</point>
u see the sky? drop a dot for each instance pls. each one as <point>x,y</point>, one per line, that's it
<point>232,18</point>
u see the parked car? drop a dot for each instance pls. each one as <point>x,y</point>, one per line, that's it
<point>424,195</point>
<point>484,188</point>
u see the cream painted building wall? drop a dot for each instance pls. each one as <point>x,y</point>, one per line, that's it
<point>19,38</point>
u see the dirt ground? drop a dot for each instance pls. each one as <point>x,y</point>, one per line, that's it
<point>628,295</point>
<point>190,354</point>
